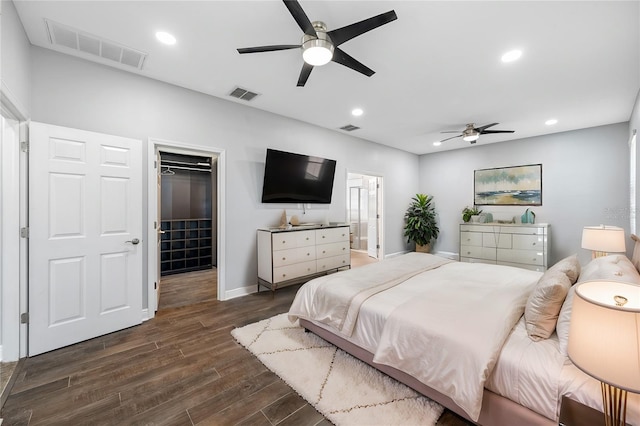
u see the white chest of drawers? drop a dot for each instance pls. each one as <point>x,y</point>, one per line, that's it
<point>521,245</point>
<point>292,256</point>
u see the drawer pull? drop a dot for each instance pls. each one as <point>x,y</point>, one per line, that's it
<point>308,254</point>
<point>323,252</point>
<point>468,252</point>
<point>307,238</point>
<point>323,236</point>
<point>284,275</point>
<point>284,258</point>
<point>533,244</point>
<point>344,248</point>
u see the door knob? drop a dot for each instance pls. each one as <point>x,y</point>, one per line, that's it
<point>134,241</point>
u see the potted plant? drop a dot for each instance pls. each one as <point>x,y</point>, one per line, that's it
<point>420,222</point>
<point>467,212</point>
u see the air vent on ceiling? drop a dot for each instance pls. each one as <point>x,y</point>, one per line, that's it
<point>349,128</point>
<point>71,38</point>
<point>243,94</point>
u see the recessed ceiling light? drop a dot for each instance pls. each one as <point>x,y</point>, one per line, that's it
<point>165,38</point>
<point>512,55</point>
<point>437,143</point>
<point>357,112</point>
<point>551,122</point>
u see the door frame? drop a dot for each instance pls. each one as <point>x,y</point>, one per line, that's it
<point>14,280</point>
<point>380,205</point>
<point>155,145</point>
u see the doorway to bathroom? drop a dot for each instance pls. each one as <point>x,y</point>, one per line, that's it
<point>364,213</point>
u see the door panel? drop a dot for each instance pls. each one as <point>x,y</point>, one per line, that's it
<point>85,214</point>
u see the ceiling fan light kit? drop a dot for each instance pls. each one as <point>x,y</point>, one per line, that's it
<point>317,51</point>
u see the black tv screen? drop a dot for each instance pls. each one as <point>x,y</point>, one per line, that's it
<point>297,178</point>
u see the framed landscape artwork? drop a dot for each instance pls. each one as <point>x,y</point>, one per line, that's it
<point>508,186</point>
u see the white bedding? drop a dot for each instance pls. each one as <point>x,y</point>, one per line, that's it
<point>370,325</point>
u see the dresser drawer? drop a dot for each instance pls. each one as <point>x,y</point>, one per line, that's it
<point>478,252</point>
<point>528,242</point>
<point>333,249</point>
<point>526,230</point>
<point>288,240</point>
<point>294,255</point>
<point>332,235</point>
<point>296,270</point>
<point>471,238</point>
<point>528,257</point>
<point>494,239</point>
<point>333,262</point>
<point>475,260</point>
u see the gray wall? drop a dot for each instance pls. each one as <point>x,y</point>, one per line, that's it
<point>634,125</point>
<point>585,181</point>
<point>15,69</point>
<point>80,94</point>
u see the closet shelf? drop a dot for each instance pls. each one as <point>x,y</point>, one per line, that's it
<point>185,245</point>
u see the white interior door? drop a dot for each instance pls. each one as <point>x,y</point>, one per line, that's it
<point>372,222</point>
<point>85,218</point>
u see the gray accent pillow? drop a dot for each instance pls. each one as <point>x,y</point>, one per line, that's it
<point>544,304</point>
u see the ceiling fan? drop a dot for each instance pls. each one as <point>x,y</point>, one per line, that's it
<point>320,46</point>
<point>471,134</point>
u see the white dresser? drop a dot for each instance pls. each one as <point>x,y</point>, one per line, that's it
<point>291,256</point>
<point>521,245</point>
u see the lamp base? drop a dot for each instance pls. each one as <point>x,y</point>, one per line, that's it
<point>614,404</point>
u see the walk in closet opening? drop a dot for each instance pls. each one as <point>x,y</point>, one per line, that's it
<point>188,234</point>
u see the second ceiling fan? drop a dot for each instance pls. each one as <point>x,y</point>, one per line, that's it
<point>471,134</point>
<point>320,46</point>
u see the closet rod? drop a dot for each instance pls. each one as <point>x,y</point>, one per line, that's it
<point>184,163</point>
<point>186,168</point>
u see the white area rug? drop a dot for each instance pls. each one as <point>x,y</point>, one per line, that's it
<point>344,389</point>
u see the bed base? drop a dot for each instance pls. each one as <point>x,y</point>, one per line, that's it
<point>496,410</point>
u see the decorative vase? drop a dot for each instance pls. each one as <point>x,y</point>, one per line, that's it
<point>475,218</point>
<point>528,217</point>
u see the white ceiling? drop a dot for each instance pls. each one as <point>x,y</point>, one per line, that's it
<point>437,66</point>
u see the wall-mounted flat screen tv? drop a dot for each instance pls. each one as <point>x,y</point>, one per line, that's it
<point>297,178</point>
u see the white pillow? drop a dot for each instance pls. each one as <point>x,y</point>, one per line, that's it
<point>569,266</point>
<point>544,303</point>
<point>615,267</point>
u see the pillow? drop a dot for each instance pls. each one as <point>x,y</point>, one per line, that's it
<point>544,303</point>
<point>570,266</point>
<point>615,267</point>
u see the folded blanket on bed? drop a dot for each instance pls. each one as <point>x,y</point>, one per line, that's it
<point>450,336</point>
<point>338,297</point>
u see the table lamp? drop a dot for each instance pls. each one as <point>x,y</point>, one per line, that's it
<point>604,341</point>
<point>603,240</point>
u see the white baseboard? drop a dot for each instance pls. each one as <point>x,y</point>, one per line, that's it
<point>239,292</point>
<point>145,315</point>
<point>396,254</point>
<point>447,254</point>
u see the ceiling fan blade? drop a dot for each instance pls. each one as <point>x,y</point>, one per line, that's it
<point>301,18</point>
<point>304,74</point>
<point>451,131</point>
<point>486,132</point>
<point>342,58</point>
<point>340,35</point>
<point>268,48</point>
<point>452,137</point>
<point>482,128</point>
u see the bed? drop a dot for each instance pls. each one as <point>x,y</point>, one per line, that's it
<point>507,366</point>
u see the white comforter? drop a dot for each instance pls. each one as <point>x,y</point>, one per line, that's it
<point>450,332</point>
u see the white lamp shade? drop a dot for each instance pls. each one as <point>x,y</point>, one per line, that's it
<point>609,239</point>
<point>604,339</point>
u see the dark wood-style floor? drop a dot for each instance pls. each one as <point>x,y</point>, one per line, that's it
<point>180,368</point>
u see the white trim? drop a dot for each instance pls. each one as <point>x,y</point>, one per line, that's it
<point>9,240</point>
<point>154,146</point>
<point>145,315</point>
<point>447,255</point>
<point>381,203</point>
<point>239,292</point>
<point>396,254</point>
